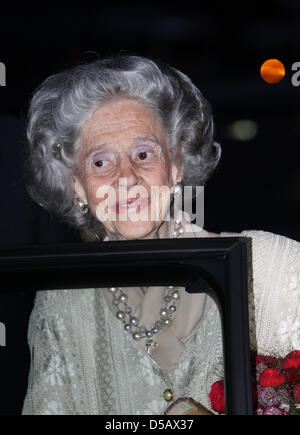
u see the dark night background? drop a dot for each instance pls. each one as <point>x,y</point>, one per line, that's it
<point>221,48</point>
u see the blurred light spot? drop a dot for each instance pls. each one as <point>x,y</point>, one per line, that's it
<point>272,71</point>
<point>243,129</point>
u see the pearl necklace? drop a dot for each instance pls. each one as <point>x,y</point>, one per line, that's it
<point>166,313</point>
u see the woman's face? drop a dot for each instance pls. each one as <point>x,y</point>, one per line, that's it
<point>123,154</point>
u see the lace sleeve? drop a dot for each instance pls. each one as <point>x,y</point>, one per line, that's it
<point>274,292</point>
<point>288,307</point>
<point>275,306</point>
<point>49,389</point>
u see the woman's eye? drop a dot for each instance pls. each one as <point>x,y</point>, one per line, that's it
<point>100,163</point>
<point>143,155</point>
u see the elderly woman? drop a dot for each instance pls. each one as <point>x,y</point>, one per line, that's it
<point>125,124</point>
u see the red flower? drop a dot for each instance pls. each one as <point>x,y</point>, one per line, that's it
<point>292,360</point>
<point>271,378</point>
<point>297,392</point>
<point>217,397</point>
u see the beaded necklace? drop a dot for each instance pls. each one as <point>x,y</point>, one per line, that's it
<point>131,323</point>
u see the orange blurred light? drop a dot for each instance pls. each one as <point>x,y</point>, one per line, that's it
<point>272,71</point>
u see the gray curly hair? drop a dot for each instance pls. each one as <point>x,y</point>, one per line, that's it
<point>64,101</point>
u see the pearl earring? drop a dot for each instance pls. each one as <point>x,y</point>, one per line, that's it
<point>177,190</point>
<point>80,205</point>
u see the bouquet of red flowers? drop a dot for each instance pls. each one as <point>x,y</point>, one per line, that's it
<point>276,386</point>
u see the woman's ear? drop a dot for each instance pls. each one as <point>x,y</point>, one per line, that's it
<point>176,175</point>
<point>78,188</point>
<point>176,166</point>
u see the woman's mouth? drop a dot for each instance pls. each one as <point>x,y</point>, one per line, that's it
<point>131,205</point>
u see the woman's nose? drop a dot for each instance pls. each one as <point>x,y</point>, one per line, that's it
<point>128,173</point>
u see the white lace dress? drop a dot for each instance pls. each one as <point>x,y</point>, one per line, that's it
<point>83,362</point>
